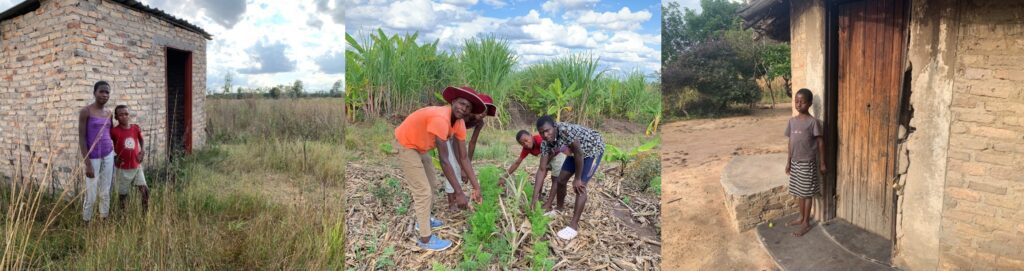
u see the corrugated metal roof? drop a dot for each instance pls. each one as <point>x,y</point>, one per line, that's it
<point>768,17</point>
<point>31,5</point>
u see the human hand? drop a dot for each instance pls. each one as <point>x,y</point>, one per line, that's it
<point>824,168</point>
<point>88,170</point>
<point>476,195</point>
<point>787,169</point>
<point>579,186</point>
<point>142,154</point>
<point>460,200</point>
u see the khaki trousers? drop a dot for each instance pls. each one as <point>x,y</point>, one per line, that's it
<point>421,180</point>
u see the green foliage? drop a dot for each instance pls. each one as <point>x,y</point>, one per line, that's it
<point>227,83</point>
<point>335,244</point>
<point>538,228</point>
<point>436,266</point>
<point>297,89</point>
<point>641,171</point>
<point>614,154</point>
<point>391,195</point>
<point>711,63</point>
<point>656,185</point>
<point>275,92</point>
<point>393,74</point>
<point>386,148</point>
<point>684,29</point>
<point>774,62</point>
<point>486,65</point>
<point>540,256</point>
<point>335,89</point>
<point>719,73</point>
<point>385,260</point>
<point>556,98</point>
<point>483,241</point>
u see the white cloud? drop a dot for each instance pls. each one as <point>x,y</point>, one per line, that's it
<point>567,5</point>
<point>496,3</point>
<point>297,40</point>
<point>534,34</point>
<point>460,2</point>
<point>411,15</point>
<point>624,19</point>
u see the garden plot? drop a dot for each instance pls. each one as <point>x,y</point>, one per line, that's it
<point>619,229</point>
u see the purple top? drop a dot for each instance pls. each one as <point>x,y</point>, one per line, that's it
<point>103,144</point>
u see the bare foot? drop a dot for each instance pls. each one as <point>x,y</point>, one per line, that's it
<point>802,231</point>
<point>794,222</point>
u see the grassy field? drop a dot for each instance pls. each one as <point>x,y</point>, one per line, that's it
<point>264,194</point>
<point>619,227</point>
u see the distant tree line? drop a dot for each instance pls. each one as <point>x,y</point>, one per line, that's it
<point>295,90</point>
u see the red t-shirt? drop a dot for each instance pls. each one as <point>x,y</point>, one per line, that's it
<point>535,150</point>
<point>127,145</point>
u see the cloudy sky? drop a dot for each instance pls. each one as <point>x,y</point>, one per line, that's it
<point>265,42</point>
<point>691,4</point>
<point>624,34</point>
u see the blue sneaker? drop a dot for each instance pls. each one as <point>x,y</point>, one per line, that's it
<point>435,244</point>
<point>434,223</point>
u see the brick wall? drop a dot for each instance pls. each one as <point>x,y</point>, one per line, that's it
<point>983,209</point>
<point>51,79</point>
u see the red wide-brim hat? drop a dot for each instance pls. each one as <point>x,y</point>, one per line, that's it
<point>489,103</point>
<point>451,93</point>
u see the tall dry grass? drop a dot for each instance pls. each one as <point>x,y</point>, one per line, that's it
<point>261,196</point>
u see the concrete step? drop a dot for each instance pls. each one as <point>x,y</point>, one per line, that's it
<point>815,250</point>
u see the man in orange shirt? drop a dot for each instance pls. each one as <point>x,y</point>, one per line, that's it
<point>426,129</point>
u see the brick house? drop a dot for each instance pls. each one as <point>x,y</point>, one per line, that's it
<point>924,111</point>
<point>53,51</point>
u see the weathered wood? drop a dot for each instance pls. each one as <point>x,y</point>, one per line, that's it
<point>870,55</point>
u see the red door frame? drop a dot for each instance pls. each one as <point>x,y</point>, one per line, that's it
<point>188,97</point>
<point>188,102</point>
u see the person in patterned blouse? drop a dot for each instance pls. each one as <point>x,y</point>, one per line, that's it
<point>586,148</point>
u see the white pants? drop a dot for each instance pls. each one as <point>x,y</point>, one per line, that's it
<point>455,166</point>
<point>103,169</point>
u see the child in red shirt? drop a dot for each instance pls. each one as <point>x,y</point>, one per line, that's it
<point>127,139</point>
<point>531,146</point>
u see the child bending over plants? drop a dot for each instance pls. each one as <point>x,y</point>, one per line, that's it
<point>586,148</point>
<point>422,131</point>
<point>531,146</point>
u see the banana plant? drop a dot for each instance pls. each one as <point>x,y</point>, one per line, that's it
<point>557,98</point>
<point>614,154</point>
<point>655,110</point>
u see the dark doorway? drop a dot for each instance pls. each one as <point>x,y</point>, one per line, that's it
<point>867,49</point>
<point>179,102</point>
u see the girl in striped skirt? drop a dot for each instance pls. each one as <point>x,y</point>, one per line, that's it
<point>806,158</point>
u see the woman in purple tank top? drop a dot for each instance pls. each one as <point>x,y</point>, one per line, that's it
<point>94,123</point>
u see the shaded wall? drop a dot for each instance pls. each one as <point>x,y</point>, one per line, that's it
<point>982,214</point>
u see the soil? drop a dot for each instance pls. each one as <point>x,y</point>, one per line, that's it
<point>698,233</point>
<point>612,236</point>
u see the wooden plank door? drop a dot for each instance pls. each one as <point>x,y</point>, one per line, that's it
<point>870,51</point>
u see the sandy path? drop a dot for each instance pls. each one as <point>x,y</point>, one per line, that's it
<point>697,232</point>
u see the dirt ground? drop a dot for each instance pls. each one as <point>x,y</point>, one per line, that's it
<point>616,234</point>
<point>696,229</point>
